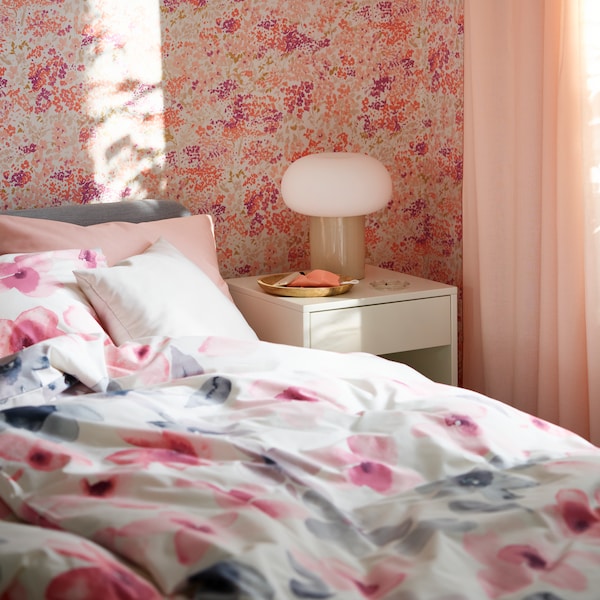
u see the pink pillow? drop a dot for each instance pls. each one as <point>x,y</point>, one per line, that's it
<point>40,298</point>
<point>192,236</point>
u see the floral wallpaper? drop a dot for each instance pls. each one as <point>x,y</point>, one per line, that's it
<point>207,102</point>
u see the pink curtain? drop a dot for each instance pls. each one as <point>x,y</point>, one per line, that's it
<point>531,310</point>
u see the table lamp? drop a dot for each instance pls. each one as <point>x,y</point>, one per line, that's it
<point>337,190</point>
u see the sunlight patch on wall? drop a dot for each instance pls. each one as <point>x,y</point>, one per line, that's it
<point>125,99</point>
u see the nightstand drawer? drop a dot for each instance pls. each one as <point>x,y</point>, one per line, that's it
<point>384,328</point>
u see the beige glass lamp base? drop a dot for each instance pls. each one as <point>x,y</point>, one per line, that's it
<point>337,244</point>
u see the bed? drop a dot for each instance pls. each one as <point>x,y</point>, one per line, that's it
<point>152,447</point>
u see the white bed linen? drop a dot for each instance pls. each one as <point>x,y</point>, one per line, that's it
<point>218,468</point>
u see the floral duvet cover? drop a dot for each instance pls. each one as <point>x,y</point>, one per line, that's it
<point>214,468</point>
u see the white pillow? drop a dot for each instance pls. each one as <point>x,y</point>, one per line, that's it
<point>160,293</point>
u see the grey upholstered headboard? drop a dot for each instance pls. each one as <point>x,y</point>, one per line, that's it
<point>131,211</point>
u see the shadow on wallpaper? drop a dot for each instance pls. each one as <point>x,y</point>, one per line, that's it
<point>206,102</point>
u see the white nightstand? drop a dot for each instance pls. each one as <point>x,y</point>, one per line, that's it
<point>416,324</point>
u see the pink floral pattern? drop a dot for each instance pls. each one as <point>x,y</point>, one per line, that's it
<point>511,568</point>
<point>20,276</point>
<point>94,573</point>
<point>579,517</point>
<point>231,93</point>
<point>30,274</point>
<point>223,479</point>
<point>40,299</point>
<point>30,327</point>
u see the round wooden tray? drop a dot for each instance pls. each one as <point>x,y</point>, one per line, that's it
<point>266,283</point>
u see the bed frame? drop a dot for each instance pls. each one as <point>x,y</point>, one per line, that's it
<point>130,211</point>
<point>210,466</point>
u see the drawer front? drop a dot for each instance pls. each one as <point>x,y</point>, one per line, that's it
<point>384,328</point>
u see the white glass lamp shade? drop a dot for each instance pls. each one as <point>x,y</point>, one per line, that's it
<point>337,189</point>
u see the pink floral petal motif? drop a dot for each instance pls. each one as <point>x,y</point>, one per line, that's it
<point>190,446</point>
<point>378,582</point>
<point>384,577</point>
<point>24,279</point>
<point>150,365</point>
<point>33,326</point>
<point>374,447</point>
<point>559,572</point>
<point>103,488</point>
<point>463,424</point>
<point>374,475</point>
<point>28,273</point>
<point>297,393</point>
<point>191,537</point>
<point>574,510</point>
<point>192,542</point>
<point>102,577</point>
<point>509,568</point>
<point>145,457</point>
<point>6,327</point>
<point>458,428</point>
<point>497,577</point>
<point>41,456</point>
<point>92,258</point>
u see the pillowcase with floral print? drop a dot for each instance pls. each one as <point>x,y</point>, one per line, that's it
<point>40,298</point>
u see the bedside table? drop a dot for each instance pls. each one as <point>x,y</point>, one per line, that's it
<point>415,324</point>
